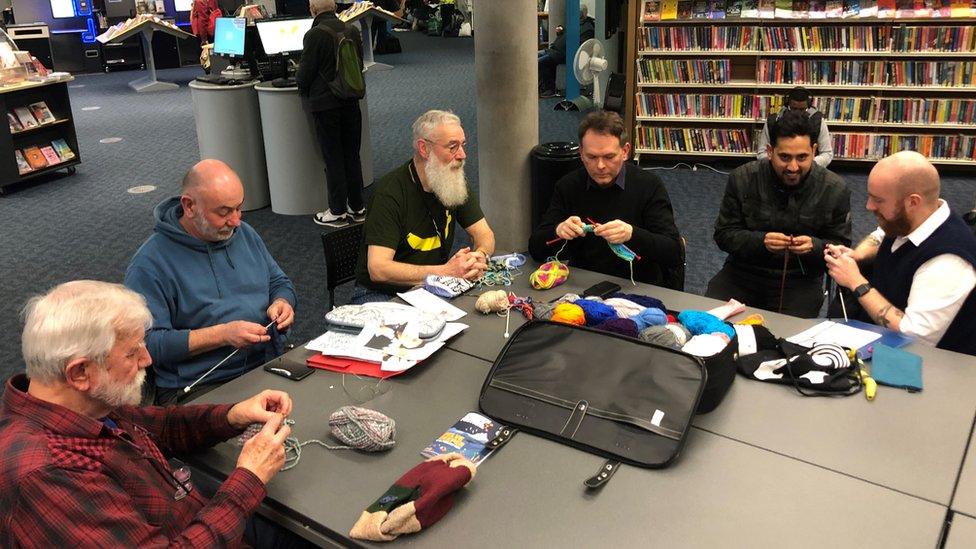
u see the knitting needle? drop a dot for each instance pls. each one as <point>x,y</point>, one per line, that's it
<point>637,257</point>
<point>843,306</point>
<point>219,364</point>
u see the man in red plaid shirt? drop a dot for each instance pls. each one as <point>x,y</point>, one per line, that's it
<point>83,466</point>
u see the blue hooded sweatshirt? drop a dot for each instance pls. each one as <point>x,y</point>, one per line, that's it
<point>191,284</point>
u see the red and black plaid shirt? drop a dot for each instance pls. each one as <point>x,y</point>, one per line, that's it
<point>68,480</point>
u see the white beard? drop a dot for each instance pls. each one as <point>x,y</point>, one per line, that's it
<point>209,233</point>
<point>117,393</point>
<point>447,181</point>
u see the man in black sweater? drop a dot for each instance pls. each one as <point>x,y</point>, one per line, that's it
<point>776,217</point>
<point>338,122</point>
<point>624,204</point>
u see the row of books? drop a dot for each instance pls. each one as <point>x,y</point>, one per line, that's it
<point>668,10</point>
<point>877,146</point>
<point>31,116</point>
<point>694,139</point>
<point>826,38</point>
<point>39,157</point>
<point>705,71</point>
<point>915,111</point>
<point>866,72</point>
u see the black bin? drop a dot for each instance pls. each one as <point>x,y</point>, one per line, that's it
<point>550,161</point>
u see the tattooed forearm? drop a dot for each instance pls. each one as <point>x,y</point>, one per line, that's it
<point>882,318</point>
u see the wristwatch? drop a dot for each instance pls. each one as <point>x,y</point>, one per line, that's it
<point>862,289</point>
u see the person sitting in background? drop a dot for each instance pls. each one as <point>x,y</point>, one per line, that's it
<point>799,99</point>
<point>631,207</point>
<point>211,285</point>
<point>923,258</point>
<point>410,221</point>
<point>82,463</point>
<point>776,216</point>
<point>555,54</point>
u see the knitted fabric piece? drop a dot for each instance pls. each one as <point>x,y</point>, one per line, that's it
<point>420,498</point>
<point>595,312</point>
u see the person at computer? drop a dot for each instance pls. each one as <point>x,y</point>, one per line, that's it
<point>800,99</point>
<point>338,122</point>
<point>212,286</point>
<point>414,213</point>
<point>923,258</point>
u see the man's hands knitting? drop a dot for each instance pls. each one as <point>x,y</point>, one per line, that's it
<point>260,408</point>
<point>571,228</point>
<point>614,232</point>
<point>264,453</point>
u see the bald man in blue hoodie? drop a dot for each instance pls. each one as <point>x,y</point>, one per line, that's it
<point>211,285</point>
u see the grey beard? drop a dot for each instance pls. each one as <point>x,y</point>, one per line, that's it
<point>115,394</point>
<point>449,185</point>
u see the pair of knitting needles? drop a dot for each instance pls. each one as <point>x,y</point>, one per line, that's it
<point>594,223</point>
<point>221,363</point>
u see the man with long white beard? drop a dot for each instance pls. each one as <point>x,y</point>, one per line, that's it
<point>409,231</point>
<point>83,466</point>
<point>212,286</point>
<point>923,258</point>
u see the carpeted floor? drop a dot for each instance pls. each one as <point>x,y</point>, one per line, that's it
<point>88,226</point>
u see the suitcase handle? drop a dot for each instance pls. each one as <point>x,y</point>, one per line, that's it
<point>602,476</point>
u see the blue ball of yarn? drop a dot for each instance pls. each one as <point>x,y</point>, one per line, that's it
<point>642,300</point>
<point>650,316</point>
<point>700,322</point>
<point>622,326</point>
<point>596,312</point>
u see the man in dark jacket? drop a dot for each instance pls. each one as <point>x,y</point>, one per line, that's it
<point>555,54</point>
<point>338,122</point>
<point>624,204</point>
<point>776,217</point>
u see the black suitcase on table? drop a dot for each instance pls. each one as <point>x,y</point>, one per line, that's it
<point>615,396</point>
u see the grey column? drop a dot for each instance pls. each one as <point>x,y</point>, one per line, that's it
<point>506,67</point>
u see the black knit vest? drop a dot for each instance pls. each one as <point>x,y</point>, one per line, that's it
<point>894,272</point>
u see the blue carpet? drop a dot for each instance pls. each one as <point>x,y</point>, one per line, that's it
<point>88,226</point>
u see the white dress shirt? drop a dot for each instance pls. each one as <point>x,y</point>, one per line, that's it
<point>939,287</point>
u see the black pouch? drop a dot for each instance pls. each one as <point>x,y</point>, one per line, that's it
<point>611,395</point>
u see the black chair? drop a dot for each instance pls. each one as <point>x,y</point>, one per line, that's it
<point>341,253</point>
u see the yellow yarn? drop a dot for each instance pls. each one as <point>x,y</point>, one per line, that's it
<point>549,274</point>
<point>753,320</point>
<point>569,313</point>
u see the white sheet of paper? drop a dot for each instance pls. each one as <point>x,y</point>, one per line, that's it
<point>430,303</point>
<point>832,332</point>
<point>347,345</point>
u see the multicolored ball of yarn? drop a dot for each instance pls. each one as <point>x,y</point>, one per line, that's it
<point>568,313</point>
<point>549,275</point>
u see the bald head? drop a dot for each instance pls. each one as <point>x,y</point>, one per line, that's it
<point>906,173</point>
<point>316,7</point>
<point>212,199</point>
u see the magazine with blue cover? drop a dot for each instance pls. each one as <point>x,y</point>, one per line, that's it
<point>468,437</point>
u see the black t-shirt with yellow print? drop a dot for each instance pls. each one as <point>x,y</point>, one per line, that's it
<point>402,216</point>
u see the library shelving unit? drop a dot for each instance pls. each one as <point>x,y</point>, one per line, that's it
<point>702,88</point>
<point>55,95</point>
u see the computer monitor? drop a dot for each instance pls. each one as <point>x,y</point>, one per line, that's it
<point>229,36</point>
<point>283,36</point>
<point>184,5</point>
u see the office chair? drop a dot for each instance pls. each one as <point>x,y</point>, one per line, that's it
<point>341,253</point>
<point>674,276</point>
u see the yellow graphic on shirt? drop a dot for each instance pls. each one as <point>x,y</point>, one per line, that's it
<point>422,244</point>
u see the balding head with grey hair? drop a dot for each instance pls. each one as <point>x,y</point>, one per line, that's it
<point>316,7</point>
<point>426,125</point>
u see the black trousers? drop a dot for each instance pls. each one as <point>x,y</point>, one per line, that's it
<point>802,297</point>
<point>339,132</point>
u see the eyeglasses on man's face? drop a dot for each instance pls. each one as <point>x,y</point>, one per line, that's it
<point>453,146</point>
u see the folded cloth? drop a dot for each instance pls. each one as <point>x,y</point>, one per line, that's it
<point>705,345</point>
<point>896,368</point>
<point>420,498</point>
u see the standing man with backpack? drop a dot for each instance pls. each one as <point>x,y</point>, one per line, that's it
<point>330,82</point>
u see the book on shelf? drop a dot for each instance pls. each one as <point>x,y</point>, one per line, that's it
<point>15,125</point>
<point>41,113</point>
<point>27,119</point>
<point>851,8</point>
<point>669,10</point>
<point>716,9</point>
<point>869,9</point>
<point>63,150</point>
<point>767,9</point>
<point>886,8</point>
<point>685,9</point>
<point>22,165</point>
<point>941,8</point>
<point>733,9</point>
<point>750,9</point>
<point>818,9</point>
<point>50,155</point>
<point>783,9</point>
<point>801,9</point>
<point>652,11</point>
<point>960,8</point>
<point>904,9</point>
<point>35,157</point>
<point>699,9</point>
<point>923,8</point>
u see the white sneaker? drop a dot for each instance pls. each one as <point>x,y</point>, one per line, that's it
<point>357,216</point>
<point>328,219</point>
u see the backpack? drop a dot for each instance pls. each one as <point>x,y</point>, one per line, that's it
<point>348,82</point>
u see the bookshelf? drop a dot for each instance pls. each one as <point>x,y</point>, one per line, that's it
<point>60,128</point>
<point>703,87</point>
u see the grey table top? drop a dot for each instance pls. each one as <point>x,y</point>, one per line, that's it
<point>964,500</point>
<point>530,493</point>
<point>886,441</point>
<point>962,535</point>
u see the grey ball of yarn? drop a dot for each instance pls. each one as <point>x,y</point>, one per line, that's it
<point>659,335</point>
<point>363,429</point>
<point>542,310</point>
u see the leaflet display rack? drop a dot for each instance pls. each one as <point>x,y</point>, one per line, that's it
<point>703,87</point>
<point>366,15</point>
<point>145,30</point>
<point>54,94</point>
